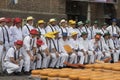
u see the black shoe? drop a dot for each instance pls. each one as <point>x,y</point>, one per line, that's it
<point>27,73</point>
<point>18,73</point>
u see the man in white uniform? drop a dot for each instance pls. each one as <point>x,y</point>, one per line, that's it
<point>13,59</point>
<point>28,26</point>
<point>17,30</point>
<point>77,47</point>
<point>59,50</point>
<point>51,27</point>
<point>65,42</point>
<point>41,27</point>
<point>89,57</point>
<point>113,29</point>
<point>29,45</point>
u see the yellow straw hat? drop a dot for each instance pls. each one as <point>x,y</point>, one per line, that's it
<point>41,21</point>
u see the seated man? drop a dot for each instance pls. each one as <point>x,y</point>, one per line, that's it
<point>13,59</point>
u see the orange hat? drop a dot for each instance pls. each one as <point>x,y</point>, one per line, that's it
<point>19,42</point>
<point>97,36</point>
<point>34,32</point>
<point>8,20</point>
<point>17,20</point>
<point>40,42</point>
<point>2,19</point>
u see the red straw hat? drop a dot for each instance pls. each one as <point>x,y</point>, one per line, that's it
<point>17,20</point>
<point>40,42</point>
<point>8,20</point>
<point>34,32</point>
<point>19,42</point>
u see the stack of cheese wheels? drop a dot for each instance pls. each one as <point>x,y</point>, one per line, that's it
<point>35,73</point>
<point>53,76</point>
<point>98,67</point>
<point>89,66</point>
<point>107,67</point>
<point>74,77</point>
<point>44,74</point>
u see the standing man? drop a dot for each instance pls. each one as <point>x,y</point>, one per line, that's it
<point>17,30</point>
<point>113,29</point>
<point>28,26</point>
<point>2,41</point>
<point>13,59</point>
<point>41,27</point>
<point>30,50</point>
<point>51,27</point>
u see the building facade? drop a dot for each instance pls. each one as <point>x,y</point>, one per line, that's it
<point>69,9</point>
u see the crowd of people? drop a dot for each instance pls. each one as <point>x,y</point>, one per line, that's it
<point>57,45</point>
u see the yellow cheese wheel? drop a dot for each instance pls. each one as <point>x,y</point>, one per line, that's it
<point>68,49</point>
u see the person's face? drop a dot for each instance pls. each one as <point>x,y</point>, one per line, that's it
<point>106,37</point>
<point>74,36</point>
<point>53,23</point>
<point>3,23</point>
<point>41,25</point>
<point>18,46</point>
<point>19,25</point>
<point>33,35</point>
<point>96,25</point>
<point>9,24</point>
<point>85,36</point>
<point>113,23</point>
<point>73,25</point>
<point>104,27</point>
<point>63,24</point>
<point>80,26</point>
<point>64,37</point>
<point>30,22</point>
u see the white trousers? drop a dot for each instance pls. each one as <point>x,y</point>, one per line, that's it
<point>53,60</point>
<point>81,56</point>
<point>72,58</point>
<point>62,58</point>
<point>11,67</point>
<point>90,57</point>
<point>116,55</point>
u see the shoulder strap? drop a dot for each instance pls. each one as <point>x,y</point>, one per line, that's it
<point>15,57</point>
<point>27,27</point>
<point>55,45</point>
<point>51,27</point>
<point>3,35</point>
<point>7,34</point>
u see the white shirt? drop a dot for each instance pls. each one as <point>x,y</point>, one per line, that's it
<point>63,30</point>
<point>113,29</point>
<point>25,30</point>
<point>87,30</point>
<point>17,33</point>
<point>29,43</point>
<point>41,30</point>
<point>57,45</point>
<point>86,44</point>
<point>50,28</point>
<point>11,53</point>
<point>76,44</point>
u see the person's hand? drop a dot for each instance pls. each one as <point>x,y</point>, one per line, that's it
<point>31,58</point>
<point>57,54</point>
